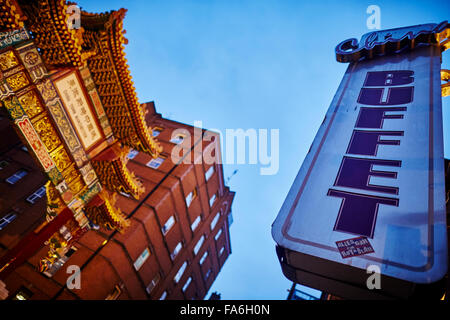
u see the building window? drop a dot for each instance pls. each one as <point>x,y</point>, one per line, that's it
<point>156,131</point>
<point>191,196</point>
<point>217,236</point>
<point>163,296</point>
<point>203,258</point>
<point>155,163</point>
<point>212,200</point>
<point>196,222</point>
<point>10,217</point>
<point>38,194</point>
<point>178,138</point>
<point>17,176</point>
<point>153,283</point>
<point>176,251</point>
<point>199,244</point>
<point>208,273</point>
<point>186,285</point>
<point>221,251</point>
<point>209,173</point>
<point>168,225</point>
<point>141,259</point>
<point>215,220</point>
<point>230,218</point>
<point>180,272</point>
<point>3,164</point>
<point>23,294</point>
<point>133,153</point>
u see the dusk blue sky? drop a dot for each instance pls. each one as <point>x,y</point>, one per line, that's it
<point>253,64</point>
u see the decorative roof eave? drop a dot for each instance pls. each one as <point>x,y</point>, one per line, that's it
<point>54,202</point>
<point>47,22</point>
<point>145,142</point>
<point>111,168</point>
<point>445,87</point>
<point>102,211</point>
<point>11,17</point>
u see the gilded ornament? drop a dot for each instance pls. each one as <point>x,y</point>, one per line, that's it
<point>30,103</point>
<point>55,176</point>
<point>8,60</point>
<point>31,58</point>
<point>70,174</point>
<point>47,91</point>
<point>61,158</point>
<point>64,126</point>
<point>17,81</point>
<point>77,185</point>
<point>14,108</point>
<point>445,88</point>
<point>47,134</point>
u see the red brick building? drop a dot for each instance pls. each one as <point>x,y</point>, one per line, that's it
<point>178,239</point>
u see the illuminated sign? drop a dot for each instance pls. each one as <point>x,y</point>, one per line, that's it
<point>77,107</point>
<point>371,189</point>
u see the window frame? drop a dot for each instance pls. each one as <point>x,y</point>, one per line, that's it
<point>141,260</point>
<point>180,272</point>
<point>165,230</point>
<point>187,284</point>
<point>7,219</point>
<point>155,163</point>
<point>174,140</point>
<point>213,198</point>
<point>158,130</point>
<point>15,175</point>
<point>153,283</point>
<point>132,154</point>
<point>209,174</point>
<point>218,234</point>
<point>194,195</point>
<point>35,196</point>
<point>196,223</point>
<point>176,250</point>
<point>199,244</point>
<point>215,221</point>
<point>204,257</point>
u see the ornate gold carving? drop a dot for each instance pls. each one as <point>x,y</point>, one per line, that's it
<point>70,174</point>
<point>87,195</point>
<point>31,58</point>
<point>114,174</point>
<point>47,90</point>
<point>61,158</point>
<point>77,185</point>
<point>88,174</point>
<point>17,81</point>
<point>54,201</point>
<point>30,103</point>
<point>445,88</point>
<point>14,108</point>
<point>107,214</point>
<point>55,176</point>
<point>48,135</point>
<point>8,60</point>
<point>64,126</point>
